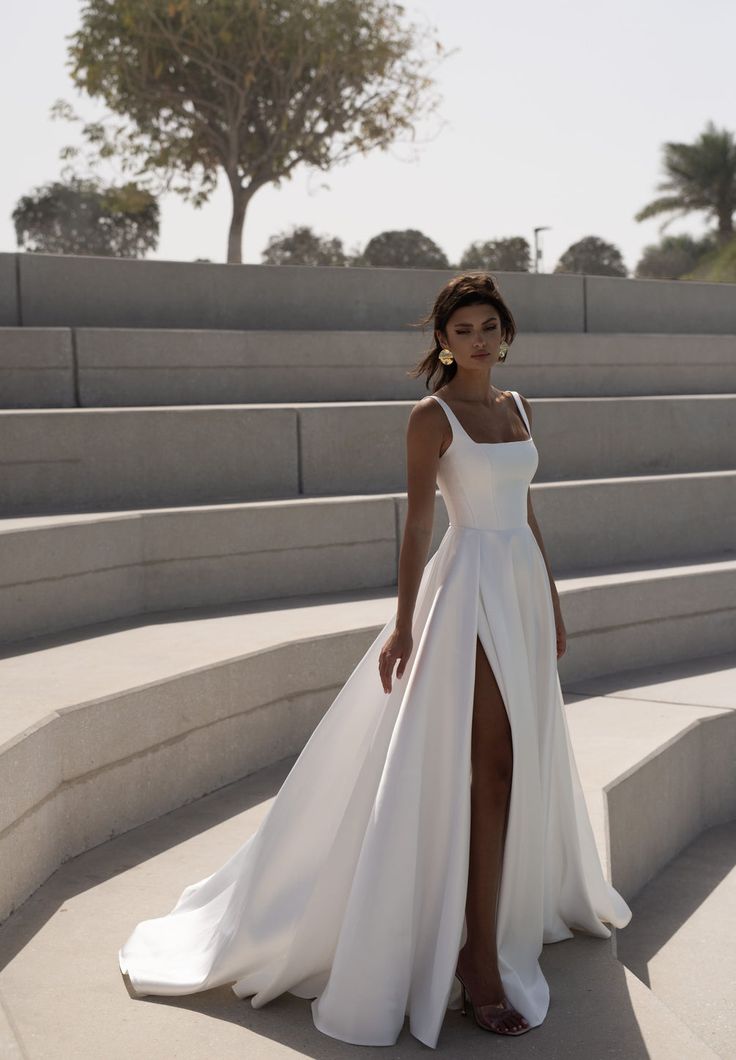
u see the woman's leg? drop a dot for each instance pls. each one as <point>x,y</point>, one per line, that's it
<point>492,764</point>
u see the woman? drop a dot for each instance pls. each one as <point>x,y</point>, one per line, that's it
<point>433,828</point>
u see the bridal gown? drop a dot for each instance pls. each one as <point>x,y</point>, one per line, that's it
<point>352,890</point>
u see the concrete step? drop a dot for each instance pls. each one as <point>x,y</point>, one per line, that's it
<point>108,367</point>
<point>59,571</point>
<point>113,724</point>
<point>70,290</point>
<point>658,743</point>
<point>66,460</point>
<point>680,940</point>
<point>81,916</point>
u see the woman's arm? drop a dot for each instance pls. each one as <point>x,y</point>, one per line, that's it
<point>534,525</point>
<point>423,442</point>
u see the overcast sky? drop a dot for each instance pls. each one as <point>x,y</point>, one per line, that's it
<point>551,114</point>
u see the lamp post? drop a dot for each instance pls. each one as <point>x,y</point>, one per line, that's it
<point>537,251</point>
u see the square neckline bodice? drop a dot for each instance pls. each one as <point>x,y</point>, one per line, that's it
<point>455,421</point>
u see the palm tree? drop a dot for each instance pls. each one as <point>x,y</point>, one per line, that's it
<point>700,176</point>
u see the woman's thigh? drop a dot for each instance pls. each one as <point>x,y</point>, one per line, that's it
<point>492,748</point>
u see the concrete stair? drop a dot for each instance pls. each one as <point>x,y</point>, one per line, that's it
<point>680,940</point>
<point>55,290</point>
<point>109,367</point>
<point>76,921</point>
<point>68,460</point>
<point>202,502</point>
<point>104,727</point>
<point>62,571</point>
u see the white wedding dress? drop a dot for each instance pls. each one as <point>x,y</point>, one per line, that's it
<point>352,890</point>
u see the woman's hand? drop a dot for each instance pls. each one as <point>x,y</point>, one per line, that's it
<point>398,646</point>
<point>561,633</point>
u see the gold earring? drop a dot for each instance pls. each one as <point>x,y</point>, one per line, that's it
<point>503,349</point>
<point>446,356</point>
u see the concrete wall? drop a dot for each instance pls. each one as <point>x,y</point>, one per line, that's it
<point>60,572</point>
<point>666,306</point>
<point>9,296</point>
<point>57,289</point>
<point>75,460</point>
<point>116,367</point>
<point>685,785</point>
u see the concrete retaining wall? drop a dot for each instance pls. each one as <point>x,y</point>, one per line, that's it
<point>59,289</point>
<point>58,572</point>
<point>75,460</point>
<point>665,800</point>
<point>117,367</point>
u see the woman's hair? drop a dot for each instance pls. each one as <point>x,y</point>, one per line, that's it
<point>469,288</point>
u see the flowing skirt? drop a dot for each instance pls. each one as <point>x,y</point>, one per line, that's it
<point>352,890</point>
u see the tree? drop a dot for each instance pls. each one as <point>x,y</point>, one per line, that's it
<point>700,176</point>
<point>716,266</point>
<point>504,255</point>
<point>82,217</point>
<point>251,87</point>
<point>592,256</point>
<point>302,246</point>
<point>673,257</point>
<point>408,249</point>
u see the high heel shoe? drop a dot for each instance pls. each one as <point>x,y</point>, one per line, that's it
<point>485,1021</point>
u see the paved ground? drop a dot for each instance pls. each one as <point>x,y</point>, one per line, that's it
<point>65,999</point>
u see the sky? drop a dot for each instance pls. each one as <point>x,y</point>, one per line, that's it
<point>550,114</point>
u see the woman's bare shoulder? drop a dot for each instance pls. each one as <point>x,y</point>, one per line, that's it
<point>427,418</point>
<point>428,410</point>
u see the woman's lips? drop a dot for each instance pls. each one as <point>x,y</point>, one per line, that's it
<point>484,354</point>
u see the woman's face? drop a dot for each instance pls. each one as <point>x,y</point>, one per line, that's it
<point>472,331</point>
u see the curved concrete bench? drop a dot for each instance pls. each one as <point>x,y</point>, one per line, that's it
<point>61,571</point>
<point>124,722</point>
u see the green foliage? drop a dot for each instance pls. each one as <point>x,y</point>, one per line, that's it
<point>505,255</point>
<point>673,257</point>
<point>252,87</point>
<point>302,246</point>
<point>699,176</point>
<point>409,249</point>
<point>716,266</point>
<point>592,256</point>
<point>82,217</point>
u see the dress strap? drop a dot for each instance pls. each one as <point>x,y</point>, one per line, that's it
<point>454,421</point>
<point>522,410</point>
